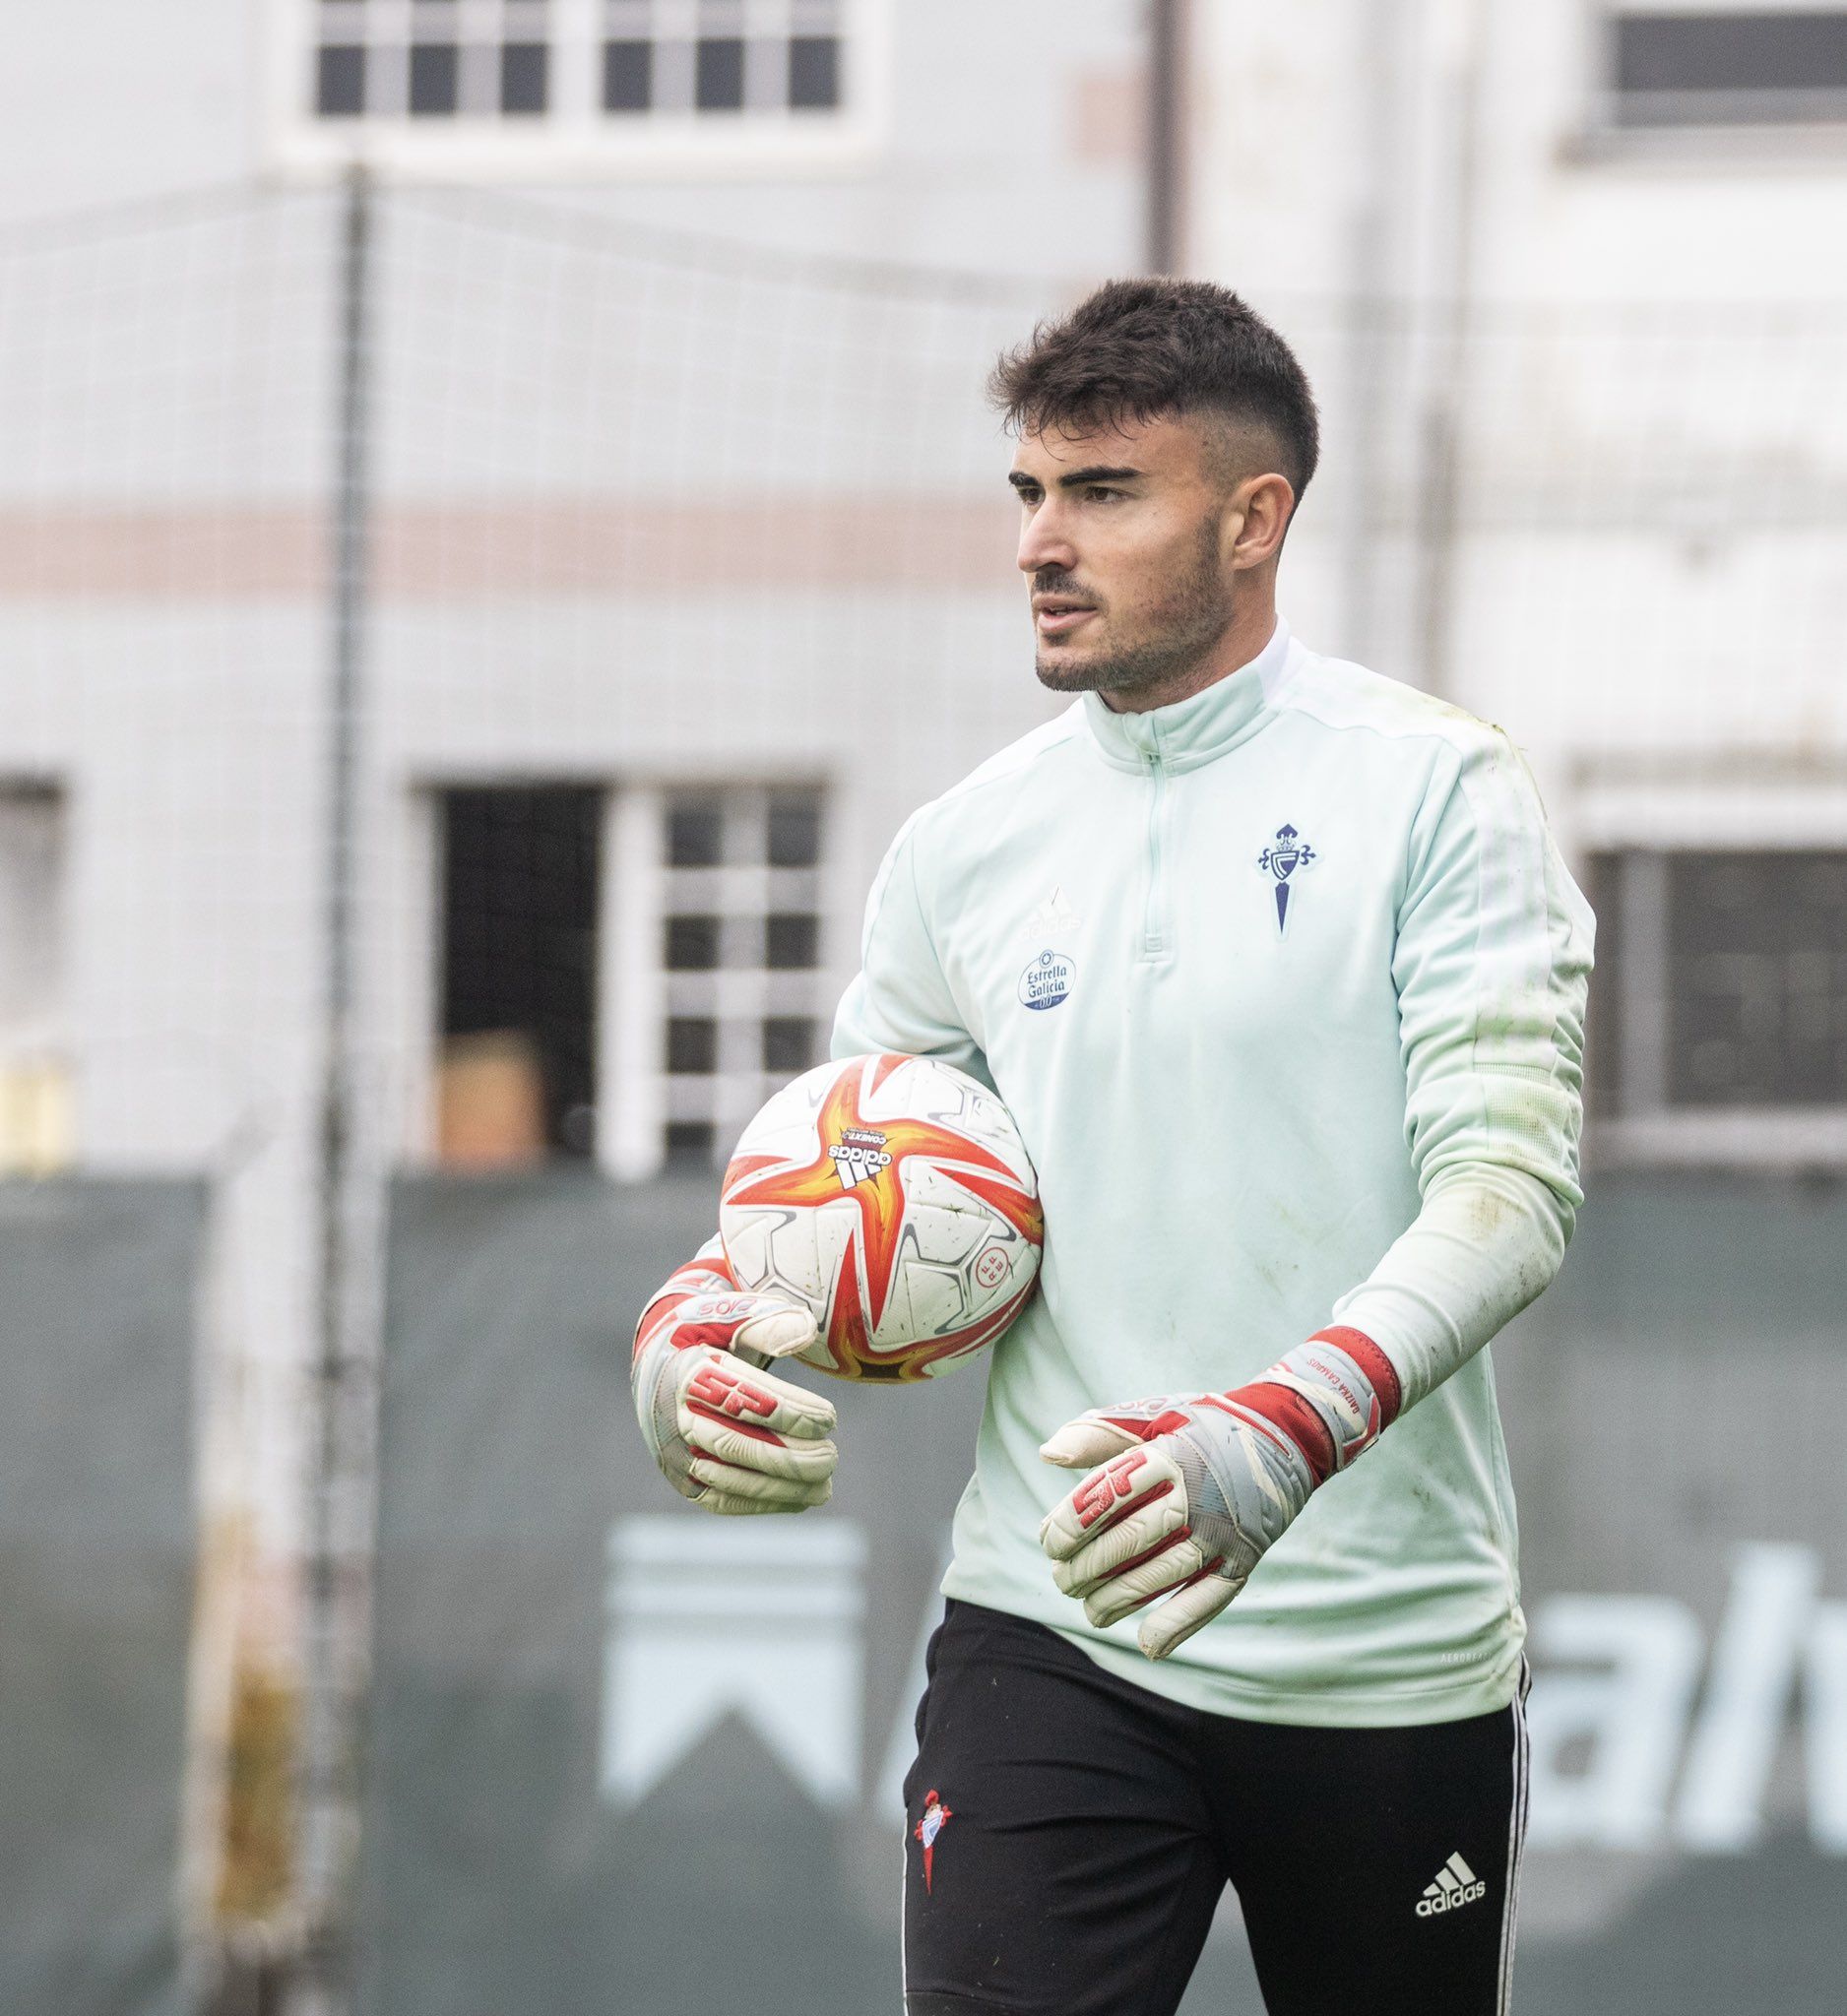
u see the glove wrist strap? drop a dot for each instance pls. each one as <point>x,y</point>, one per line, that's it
<point>707,1272</point>
<point>1332,1397</point>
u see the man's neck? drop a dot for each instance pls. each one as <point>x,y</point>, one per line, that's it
<point>1249,630</point>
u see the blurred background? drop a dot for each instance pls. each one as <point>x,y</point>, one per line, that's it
<point>498,526</point>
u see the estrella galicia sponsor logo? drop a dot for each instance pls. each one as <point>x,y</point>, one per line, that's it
<point>859,1154</point>
<point>1048,980</point>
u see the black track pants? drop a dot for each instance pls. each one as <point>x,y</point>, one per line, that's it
<point>1080,1830</point>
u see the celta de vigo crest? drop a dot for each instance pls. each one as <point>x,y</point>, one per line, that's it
<point>1286,855</point>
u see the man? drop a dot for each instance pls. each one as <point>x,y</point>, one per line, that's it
<point>1316,1076</point>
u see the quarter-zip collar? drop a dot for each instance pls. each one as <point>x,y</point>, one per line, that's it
<point>1195,730</point>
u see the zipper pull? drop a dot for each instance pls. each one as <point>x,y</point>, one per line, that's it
<point>1153,931</point>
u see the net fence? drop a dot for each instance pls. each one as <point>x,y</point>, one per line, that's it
<point>460,660</point>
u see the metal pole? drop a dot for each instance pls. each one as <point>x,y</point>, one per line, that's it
<point>1374,338</point>
<point>1440,496</point>
<point>1166,132</point>
<point>339,1563</point>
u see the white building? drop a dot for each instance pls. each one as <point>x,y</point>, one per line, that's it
<point>1570,281</point>
<point>687,552</point>
<point>687,569</point>
<point>687,558</point>
<point>654,512</point>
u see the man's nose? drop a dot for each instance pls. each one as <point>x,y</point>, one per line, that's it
<point>1044,541</point>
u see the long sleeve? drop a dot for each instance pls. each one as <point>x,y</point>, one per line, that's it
<point>1492,968</point>
<point>900,999</point>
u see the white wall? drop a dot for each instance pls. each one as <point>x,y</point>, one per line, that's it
<point>1004,136</point>
<point>167,457</point>
<point>1638,344</point>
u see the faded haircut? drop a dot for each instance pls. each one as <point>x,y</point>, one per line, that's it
<point>1141,349</point>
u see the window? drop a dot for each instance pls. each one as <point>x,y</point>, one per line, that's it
<point>432,59</point>
<point>521,891</point>
<point>1678,63</point>
<point>714,56</point>
<point>1719,1012</point>
<point>621,973</point>
<point>743,995</point>
<point>35,1074</point>
<point>566,86</point>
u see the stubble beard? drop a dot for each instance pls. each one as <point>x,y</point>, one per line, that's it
<point>1183,632</point>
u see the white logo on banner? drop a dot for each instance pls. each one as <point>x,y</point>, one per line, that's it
<point>1628,1724</point>
<point>763,1623</point>
<point>716,1619</point>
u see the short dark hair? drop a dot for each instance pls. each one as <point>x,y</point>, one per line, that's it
<point>1136,350</point>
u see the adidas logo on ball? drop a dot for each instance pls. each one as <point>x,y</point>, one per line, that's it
<point>1456,1884</point>
<point>859,1154</point>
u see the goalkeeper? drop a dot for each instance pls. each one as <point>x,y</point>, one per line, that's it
<point>1306,1123</point>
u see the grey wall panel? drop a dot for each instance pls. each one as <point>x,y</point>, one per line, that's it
<point>96,1561</point>
<point>501,1869</point>
<point>1673,1407</point>
<point>585,1799</point>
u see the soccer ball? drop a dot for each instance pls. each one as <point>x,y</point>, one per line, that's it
<point>894,1196</point>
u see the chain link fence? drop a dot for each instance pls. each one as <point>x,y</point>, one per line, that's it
<point>462,662</point>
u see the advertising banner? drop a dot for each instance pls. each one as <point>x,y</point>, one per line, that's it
<point>631,1758</point>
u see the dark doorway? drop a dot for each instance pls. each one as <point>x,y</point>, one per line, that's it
<point>518,973</point>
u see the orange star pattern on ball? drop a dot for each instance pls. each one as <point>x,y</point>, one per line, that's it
<point>878,1194</point>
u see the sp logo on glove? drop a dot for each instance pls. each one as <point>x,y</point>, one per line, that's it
<point>1192,1491</point>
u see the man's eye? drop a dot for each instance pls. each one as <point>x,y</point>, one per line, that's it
<point>1101,493</point>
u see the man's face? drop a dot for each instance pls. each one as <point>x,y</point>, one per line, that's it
<point>1125,545</point>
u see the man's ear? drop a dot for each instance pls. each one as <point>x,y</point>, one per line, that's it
<point>1258,518</point>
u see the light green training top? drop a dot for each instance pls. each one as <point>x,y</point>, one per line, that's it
<point>1285,987</point>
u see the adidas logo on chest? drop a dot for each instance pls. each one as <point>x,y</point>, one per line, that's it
<point>1456,1884</point>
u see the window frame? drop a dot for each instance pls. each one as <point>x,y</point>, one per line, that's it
<point>37,1049</point>
<point>638,996</point>
<point>573,141</point>
<point>1750,803</point>
<point>1606,135</point>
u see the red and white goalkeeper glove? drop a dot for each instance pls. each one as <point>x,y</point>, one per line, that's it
<point>725,1433</point>
<point>1197,1487</point>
